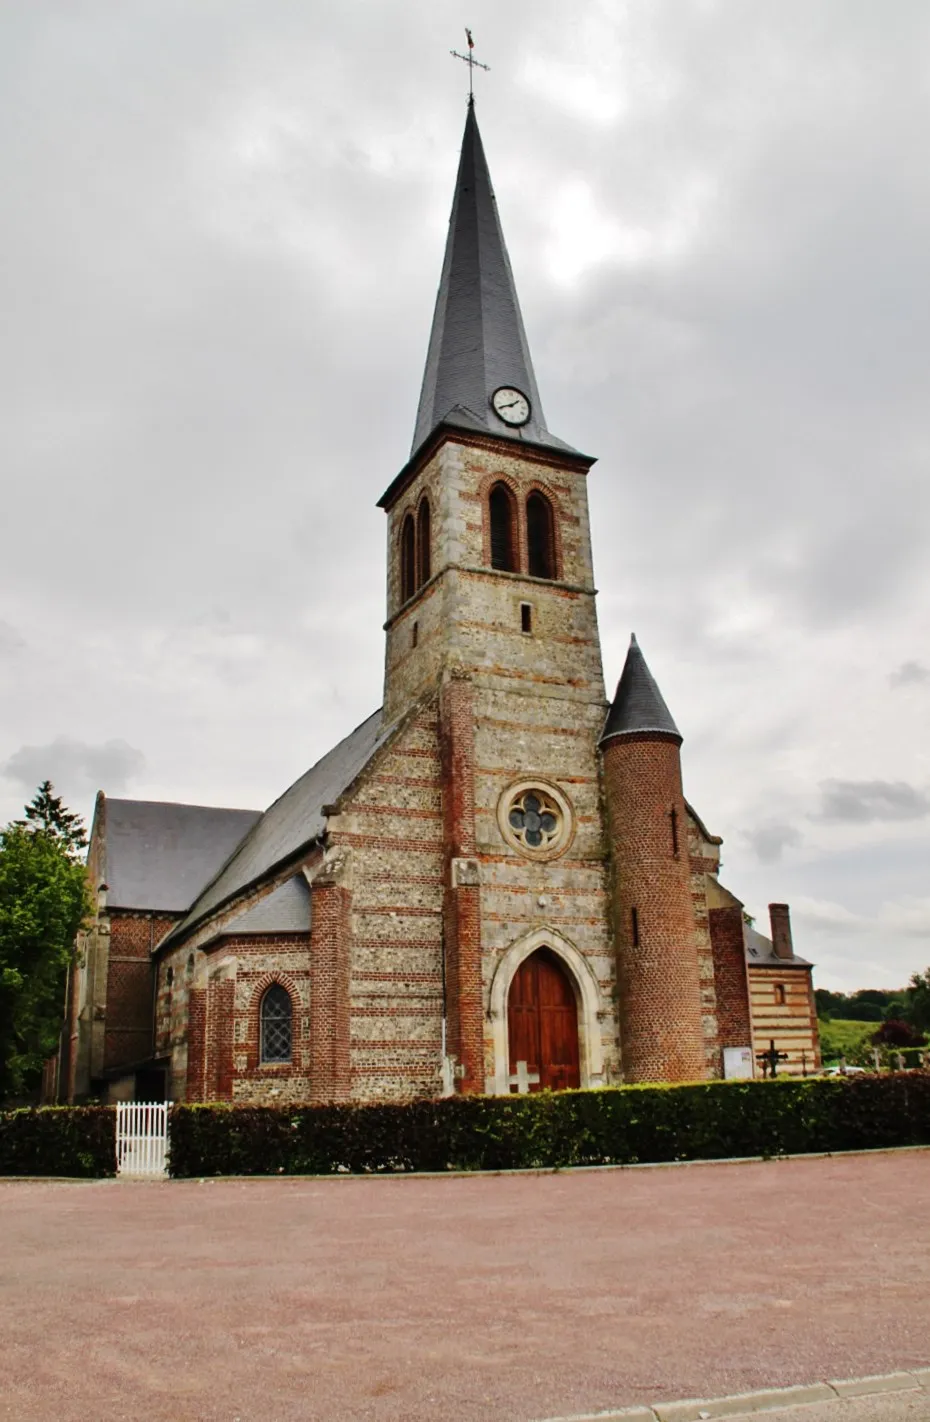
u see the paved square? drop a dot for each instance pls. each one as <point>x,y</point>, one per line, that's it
<point>510,1297</point>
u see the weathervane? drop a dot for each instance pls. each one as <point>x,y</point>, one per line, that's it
<point>472,63</point>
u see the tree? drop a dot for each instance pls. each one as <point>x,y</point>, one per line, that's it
<point>46,812</point>
<point>865,1005</point>
<point>44,899</point>
<point>917,1001</point>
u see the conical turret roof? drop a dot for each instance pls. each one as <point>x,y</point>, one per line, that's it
<point>477,343</point>
<point>638,707</point>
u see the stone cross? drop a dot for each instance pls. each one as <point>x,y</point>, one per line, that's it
<point>899,1059</point>
<point>877,1058</point>
<point>523,1078</point>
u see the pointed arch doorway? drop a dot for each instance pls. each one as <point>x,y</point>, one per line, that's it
<point>542,1023</point>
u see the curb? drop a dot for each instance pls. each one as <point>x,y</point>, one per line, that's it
<point>766,1400</point>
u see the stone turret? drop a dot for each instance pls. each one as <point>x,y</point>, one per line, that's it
<point>658,987</point>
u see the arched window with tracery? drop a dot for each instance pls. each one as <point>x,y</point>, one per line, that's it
<point>502,518</point>
<point>408,568</point>
<point>540,536</point>
<point>276,1018</point>
<point>424,559</point>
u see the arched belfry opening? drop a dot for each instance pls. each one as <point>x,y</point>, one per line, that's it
<point>424,539</point>
<point>502,515</point>
<point>408,568</point>
<point>542,1023</point>
<point>540,536</point>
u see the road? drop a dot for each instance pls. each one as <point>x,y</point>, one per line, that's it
<point>511,1297</point>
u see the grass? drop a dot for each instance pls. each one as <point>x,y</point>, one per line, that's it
<point>840,1037</point>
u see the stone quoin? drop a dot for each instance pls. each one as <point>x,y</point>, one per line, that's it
<point>495,882</point>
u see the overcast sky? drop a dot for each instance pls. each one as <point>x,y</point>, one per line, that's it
<point>223,227</point>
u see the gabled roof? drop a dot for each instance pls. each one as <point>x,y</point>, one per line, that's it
<point>159,856</point>
<point>638,707</point>
<point>289,826</point>
<point>477,342</point>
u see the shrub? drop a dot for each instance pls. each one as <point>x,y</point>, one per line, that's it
<point>58,1140</point>
<point>622,1125</point>
<point>895,1033</point>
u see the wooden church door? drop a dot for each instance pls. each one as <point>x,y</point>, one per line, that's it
<point>542,1023</point>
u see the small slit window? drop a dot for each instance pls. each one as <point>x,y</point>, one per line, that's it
<point>526,617</point>
<point>503,529</point>
<point>276,1024</point>
<point>780,994</point>
<point>424,560</point>
<point>540,536</point>
<point>408,541</point>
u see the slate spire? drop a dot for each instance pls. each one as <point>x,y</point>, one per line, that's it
<point>477,343</point>
<point>638,707</point>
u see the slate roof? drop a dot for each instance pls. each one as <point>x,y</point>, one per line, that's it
<point>760,952</point>
<point>290,825</point>
<point>159,856</point>
<point>638,705</point>
<point>477,342</point>
<point>285,910</point>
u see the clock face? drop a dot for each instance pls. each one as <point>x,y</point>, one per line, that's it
<point>511,405</point>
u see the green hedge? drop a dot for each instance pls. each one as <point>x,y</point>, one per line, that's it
<point>622,1125</point>
<point>58,1140</point>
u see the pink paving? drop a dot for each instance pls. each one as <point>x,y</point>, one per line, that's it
<point>484,1297</point>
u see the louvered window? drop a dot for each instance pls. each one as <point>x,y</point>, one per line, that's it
<point>540,536</point>
<point>503,529</point>
<point>407,559</point>
<point>424,560</point>
<point>276,1025</point>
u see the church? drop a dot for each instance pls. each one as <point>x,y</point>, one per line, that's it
<point>494,883</point>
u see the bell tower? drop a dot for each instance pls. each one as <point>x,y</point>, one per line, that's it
<point>489,553</point>
<point>491,611</point>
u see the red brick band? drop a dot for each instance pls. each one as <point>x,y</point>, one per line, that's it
<point>461,903</point>
<point>330,943</point>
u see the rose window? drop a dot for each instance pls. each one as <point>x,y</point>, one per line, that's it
<point>535,819</point>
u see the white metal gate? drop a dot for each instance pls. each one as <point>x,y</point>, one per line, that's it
<point>142,1137</point>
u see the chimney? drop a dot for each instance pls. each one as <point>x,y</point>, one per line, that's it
<point>780,919</point>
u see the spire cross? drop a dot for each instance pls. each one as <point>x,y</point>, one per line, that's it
<point>472,63</point>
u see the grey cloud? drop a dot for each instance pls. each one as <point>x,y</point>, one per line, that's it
<point>223,245</point>
<point>910,674</point>
<point>770,841</point>
<point>864,801</point>
<point>75,767</point>
<point>10,640</point>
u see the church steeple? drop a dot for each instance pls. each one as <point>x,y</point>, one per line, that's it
<point>489,550</point>
<point>478,344</point>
